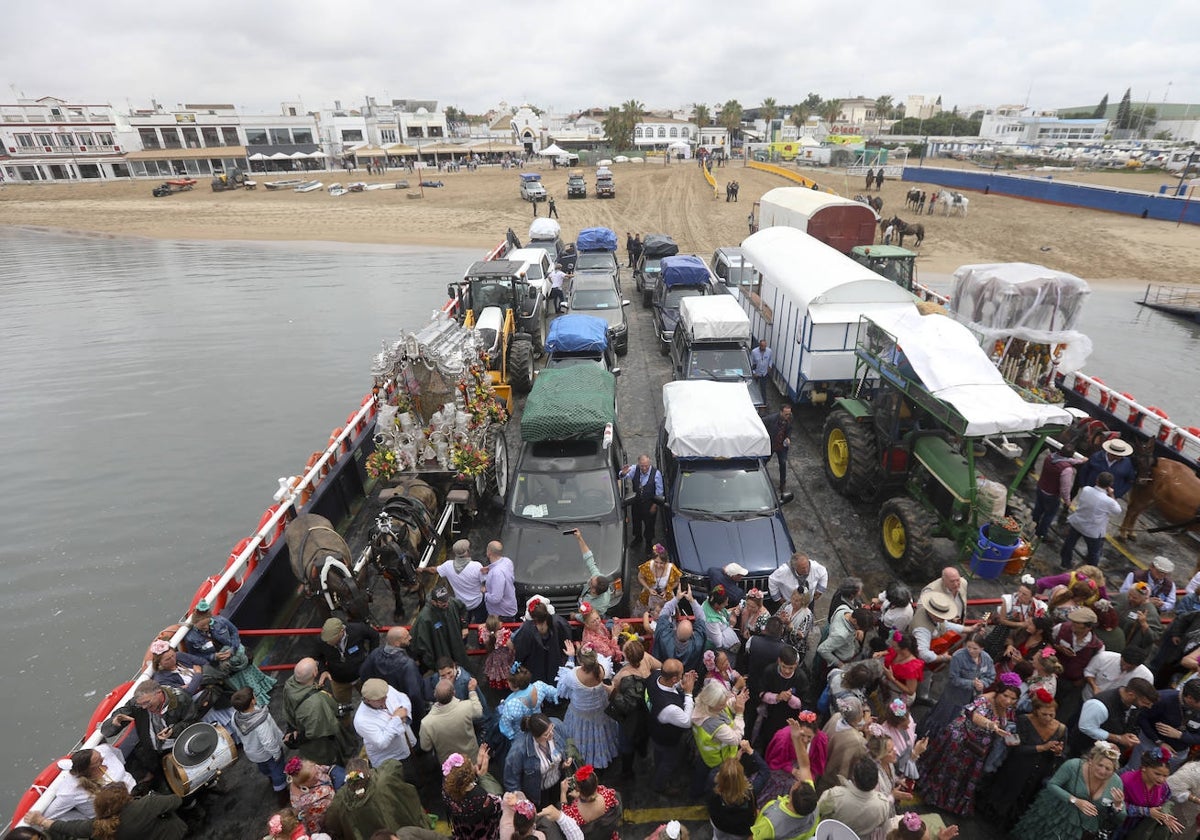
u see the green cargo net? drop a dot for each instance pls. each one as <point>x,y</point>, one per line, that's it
<point>568,403</point>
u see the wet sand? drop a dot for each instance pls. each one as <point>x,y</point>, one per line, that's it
<point>474,208</point>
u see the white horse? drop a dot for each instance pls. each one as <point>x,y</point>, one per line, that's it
<point>953,202</point>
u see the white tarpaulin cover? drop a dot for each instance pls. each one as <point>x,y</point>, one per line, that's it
<point>947,358</point>
<point>714,318</point>
<point>543,228</point>
<point>1026,301</point>
<point>713,420</point>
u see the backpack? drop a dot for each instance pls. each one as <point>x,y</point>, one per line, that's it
<point>625,700</point>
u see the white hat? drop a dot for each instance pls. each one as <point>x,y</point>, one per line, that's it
<point>735,569</point>
<point>938,605</point>
<point>1163,564</point>
<point>1118,447</point>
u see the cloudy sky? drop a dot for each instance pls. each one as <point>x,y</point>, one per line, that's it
<point>473,55</point>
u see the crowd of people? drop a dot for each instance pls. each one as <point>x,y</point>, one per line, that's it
<point>1053,716</point>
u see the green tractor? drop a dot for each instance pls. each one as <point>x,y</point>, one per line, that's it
<point>890,261</point>
<point>917,450</point>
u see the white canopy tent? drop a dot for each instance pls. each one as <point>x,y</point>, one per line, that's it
<point>258,156</point>
<point>553,150</point>
<point>280,156</point>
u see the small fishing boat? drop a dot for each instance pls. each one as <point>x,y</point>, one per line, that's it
<point>309,186</point>
<point>337,189</point>
<point>357,186</point>
<point>290,183</point>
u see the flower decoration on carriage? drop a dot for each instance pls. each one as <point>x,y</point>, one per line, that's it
<point>455,760</point>
<point>402,401</point>
<point>470,461</point>
<point>382,464</point>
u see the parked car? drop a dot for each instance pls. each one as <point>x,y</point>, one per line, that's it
<point>576,186</point>
<point>731,268</point>
<point>682,276</point>
<point>719,503</point>
<point>649,265</point>
<point>712,341</point>
<point>596,294</point>
<point>579,340</point>
<point>531,187</point>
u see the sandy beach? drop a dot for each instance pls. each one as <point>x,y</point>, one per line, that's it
<point>474,208</point>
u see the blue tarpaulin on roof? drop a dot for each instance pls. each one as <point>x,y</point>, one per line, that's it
<point>596,239</point>
<point>686,270</point>
<point>577,334</point>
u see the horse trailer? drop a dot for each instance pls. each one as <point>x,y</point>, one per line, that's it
<point>841,223</point>
<point>806,300</point>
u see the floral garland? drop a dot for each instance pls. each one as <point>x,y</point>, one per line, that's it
<point>479,398</point>
<point>470,461</point>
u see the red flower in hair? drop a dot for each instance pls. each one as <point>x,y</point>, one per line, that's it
<point>582,774</point>
<point>1043,695</point>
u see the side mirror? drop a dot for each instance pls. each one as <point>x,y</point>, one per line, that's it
<point>615,371</point>
<point>787,497</point>
<point>624,303</point>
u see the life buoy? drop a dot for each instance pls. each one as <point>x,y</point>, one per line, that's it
<point>1179,441</point>
<point>104,708</point>
<point>357,421</point>
<point>1135,417</point>
<point>235,582</point>
<point>1082,386</point>
<point>202,594</point>
<point>1164,431</point>
<point>40,783</point>
<point>372,402</point>
<point>270,538</point>
<point>339,447</point>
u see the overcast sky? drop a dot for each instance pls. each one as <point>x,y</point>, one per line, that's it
<point>475,54</point>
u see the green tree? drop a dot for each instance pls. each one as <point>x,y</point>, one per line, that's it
<point>455,115</point>
<point>800,114</point>
<point>1125,111</point>
<point>830,110</point>
<point>615,130</point>
<point>731,116</point>
<point>701,115</point>
<point>1101,109</point>
<point>813,102</point>
<point>883,109</point>
<point>769,109</point>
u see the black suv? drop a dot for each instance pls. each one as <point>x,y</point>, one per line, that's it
<point>576,186</point>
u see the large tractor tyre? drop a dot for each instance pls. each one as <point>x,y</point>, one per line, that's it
<point>494,480</point>
<point>906,535</point>
<point>537,334</point>
<point>520,365</point>
<point>851,455</point>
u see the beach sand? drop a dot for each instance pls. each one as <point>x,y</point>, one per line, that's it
<point>473,210</point>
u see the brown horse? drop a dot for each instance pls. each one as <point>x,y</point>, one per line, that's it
<point>1173,488</point>
<point>904,229</point>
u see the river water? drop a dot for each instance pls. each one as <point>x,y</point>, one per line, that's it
<point>151,392</point>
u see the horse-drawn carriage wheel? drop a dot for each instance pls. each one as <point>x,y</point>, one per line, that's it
<point>906,535</point>
<point>494,480</point>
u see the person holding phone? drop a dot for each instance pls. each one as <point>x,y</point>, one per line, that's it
<point>598,591</point>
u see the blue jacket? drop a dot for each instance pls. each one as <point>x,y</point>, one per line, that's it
<point>667,647</point>
<point>1123,472</point>
<point>523,769</point>
<point>221,635</point>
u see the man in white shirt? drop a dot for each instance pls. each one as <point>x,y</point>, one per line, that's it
<point>800,572</point>
<point>954,587</point>
<point>465,577</point>
<point>382,720</point>
<point>1110,669</point>
<point>557,277</point>
<point>1094,506</point>
<point>669,692</point>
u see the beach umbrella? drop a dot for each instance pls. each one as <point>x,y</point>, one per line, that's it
<point>298,156</point>
<point>280,156</point>
<point>258,156</point>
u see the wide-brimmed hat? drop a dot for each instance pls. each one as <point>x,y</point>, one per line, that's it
<point>1083,615</point>
<point>1163,564</point>
<point>938,604</point>
<point>195,744</point>
<point>1118,447</point>
<point>332,628</point>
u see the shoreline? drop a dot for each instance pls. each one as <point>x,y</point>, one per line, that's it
<point>473,210</point>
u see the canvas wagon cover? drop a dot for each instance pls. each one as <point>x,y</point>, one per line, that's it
<point>686,270</point>
<point>567,403</point>
<point>707,419</point>
<point>714,318</point>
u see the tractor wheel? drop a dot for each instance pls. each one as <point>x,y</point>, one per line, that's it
<point>851,456</point>
<point>537,335</point>
<point>906,535</point>
<point>494,481</point>
<point>520,366</point>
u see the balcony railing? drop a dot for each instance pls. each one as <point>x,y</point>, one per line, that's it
<point>65,151</point>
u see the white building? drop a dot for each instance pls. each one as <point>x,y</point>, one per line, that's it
<point>920,107</point>
<point>193,140</point>
<point>661,132</point>
<point>1010,124</point>
<point>50,139</point>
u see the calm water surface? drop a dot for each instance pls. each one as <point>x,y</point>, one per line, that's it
<point>151,392</point>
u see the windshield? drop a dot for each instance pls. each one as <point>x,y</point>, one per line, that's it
<point>898,271</point>
<point>653,265</point>
<point>560,496</point>
<point>678,293</point>
<point>595,299</point>
<point>485,293</point>
<point>724,492</point>
<point>602,261</point>
<point>731,363</point>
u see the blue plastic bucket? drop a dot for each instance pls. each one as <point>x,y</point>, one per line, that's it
<point>988,559</point>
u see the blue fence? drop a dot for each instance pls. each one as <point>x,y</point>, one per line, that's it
<point>1168,208</point>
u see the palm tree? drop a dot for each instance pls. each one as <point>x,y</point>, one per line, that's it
<point>632,112</point>
<point>831,110</point>
<point>883,110</point>
<point>701,115</point>
<point>614,127</point>
<point>800,114</point>
<point>731,117</point>
<point>769,111</point>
